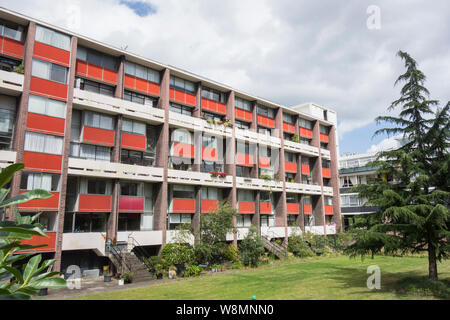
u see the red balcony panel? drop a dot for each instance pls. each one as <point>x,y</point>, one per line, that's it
<point>154,89</point>
<point>98,136</point>
<point>326,173</point>
<point>307,209</point>
<point>244,115</point>
<point>324,138</point>
<point>183,205</point>
<point>94,203</point>
<point>287,127</point>
<point>244,160</point>
<point>183,150</point>
<point>49,89</point>
<point>11,47</point>
<point>109,76</point>
<point>264,163</point>
<point>246,207</point>
<point>42,162</point>
<point>293,208</point>
<point>134,142</point>
<point>265,208</point>
<point>306,133</point>
<point>45,124</point>
<point>209,154</point>
<point>214,106</point>
<point>50,204</point>
<point>141,85</point>
<point>329,210</point>
<point>50,243</point>
<point>209,206</point>
<point>94,72</point>
<point>182,97</point>
<point>305,169</point>
<point>81,68</point>
<point>290,167</point>
<point>130,82</point>
<point>190,99</point>
<point>52,54</point>
<point>266,122</point>
<point>131,204</point>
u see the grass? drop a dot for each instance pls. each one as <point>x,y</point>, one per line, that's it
<point>327,278</point>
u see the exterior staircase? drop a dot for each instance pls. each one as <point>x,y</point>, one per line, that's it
<point>279,251</point>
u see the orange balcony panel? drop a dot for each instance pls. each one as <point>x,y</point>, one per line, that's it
<point>134,142</point>
<point>94,203</point>
<point>209,154</point>
<point>130,82</point>
<point>307,209</point>
<point>50,204</point>
<point>81,68</point>
<point>264,163</point>
<point>306,133</point>
<point>244,160</point>
<point>50,243</point>
<point>265,208</point>
<point>52,54</point>
<point>11,47</point>
<point>324,138</point>
<point>305,169</point>
<point>214,106</point>
<point>42,162</point>
<point>45,124</point>
<point>109,76</point>
<point>98,136</point>
<point>287,127</point>
<point>190,99</point>
<point>154,89</point>
<point>183,150</point>
<point>293,208</point>
<point>266,122</point>
<point>290,167</point>
<point>326,173</point>
<point>209,206</point>
<point>329,210</point>
<point>141,85</point>
<point>183,205</point>
<point>95,72</point>
<point>244,115</point>
<point>131,204</point>
<point>246,207</point>
<point>49,89</point>
<point>179,96</point>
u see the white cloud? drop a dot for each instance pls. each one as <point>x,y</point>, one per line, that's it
<point>386,144</point>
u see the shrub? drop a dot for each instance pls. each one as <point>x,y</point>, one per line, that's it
<point>192,271</point>
<point>235,266</point>
<point>299,247</point>
<point>424,287</point>
<point>152,262</point>
<point>251,248</point>
<point>318,243</point>
<point>231,253</point>
<point>127,277</point>
<point>177,253</point>
<point>339,241</point>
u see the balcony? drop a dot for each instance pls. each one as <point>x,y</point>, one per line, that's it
<point>50,204</point>
<point>98,136</point>
<point>210,206</point>
<point>324,138</point>
<point>266,121</point>
<point>326,173</point>
<point>99,169</point>
<point>287,127</point>
<point>199,178</point>
<point>329,210</point>
<point>183,206</point>
<point>292,208</point>
<point>11,47</point>
<point>182,97</point>
<point>246,207</point>
<point>330,229</point>
<point>257,138</point>
<point>273,232</point>
<point>214,106</point>
<point>198,124</point>
<point>307,209</point>
<point>265,208</point>
<point>42,162</point>
<point>94,203</point>
<point>304,149</point>
<point>290,167</point>
<point>128,204</point>
<point>259,184</point>
<point>318,230</point>
<point>328,191</point>
<point>306,133</point>
<point>7,158</point>
<point>141,85</point>
<point>11,83</point>
<point>144,238</point>
<point>243,115</point>
<point>244,160</point>
<point>264,163</point>
<point>306,170</point>
<point>325,154</point>
<point>50,243</point>
<point>303,188</point>
<point>134,141</point>
<point>84,241</point>
<point>102,103</point>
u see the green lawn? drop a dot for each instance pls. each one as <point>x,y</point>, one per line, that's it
<point>327,278</point>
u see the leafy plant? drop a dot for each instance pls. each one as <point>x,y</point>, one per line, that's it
<point>231,253</point>
<point>20,68</point>
<point>192,271</point>
<point>127,277</point>
<point>299,247</point>
<point>159,270</point>
<point>265,177</point>
<point>296,138</point>
<point>251,248</point>
<point>177,253</point>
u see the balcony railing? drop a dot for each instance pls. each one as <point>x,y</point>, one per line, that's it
<point>198,124</point>
<point>301,148</point>
<point>258,184</point>
<point>303,188</point>
<point>11,82</point>
<point>257,138</point>
<point>199,178</point>
<point>328,191</point>
<point>7,158</point>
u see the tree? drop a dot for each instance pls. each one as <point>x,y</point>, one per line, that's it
<point>412,193</point>
<point>251,248</point>
<point>34,275</point>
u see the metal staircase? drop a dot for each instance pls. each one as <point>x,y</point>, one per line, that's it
<point>277,250</point>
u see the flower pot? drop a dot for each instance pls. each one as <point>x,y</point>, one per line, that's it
<point>121,282</point>
<point>43,292</point>
<point>107,278</point>
<point>180,269</point>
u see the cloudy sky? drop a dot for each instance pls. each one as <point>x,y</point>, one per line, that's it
<point>289,52</point>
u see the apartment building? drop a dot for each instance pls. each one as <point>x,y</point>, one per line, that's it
<point>131,148</point>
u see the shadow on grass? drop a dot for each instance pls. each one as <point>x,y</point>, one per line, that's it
<point>405,285</point>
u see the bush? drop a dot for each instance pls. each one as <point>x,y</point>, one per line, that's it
<point>231,253</point>
<point>299,247</point>
<point>192,271</point>
<point>251,248</point>
<point>127,277</point>
<point>424,287</point>
<point>318,243</point>
<point>339,241</point>
<point>235,266</point>
<point>152,262</point>
<point>177,253</point>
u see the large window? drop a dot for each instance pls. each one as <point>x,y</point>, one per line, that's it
<point>265,131</point>
<point>305,124</point>
<point>209,142</point>
<point>33,181</point>
<point>131,189</point>
<point>266,112</point>
<point>97,58</point>
<point>182,85</point>
<point>326,164</point>
<point>324,130</point>
<point>208,167</point>
<point>98,120</point>
<point>245,195</point>
<point>243,104</point>
<point>45,106</point>
<point>49,71</point>
<point>291,198</point>
<point>183,192</point>
<point>7,120</point>
<point>85,222</point>
<point>11,30</point>
<point>210,194</point>
<point>90,152</point>
<point>182,136</point>
<point>243,172</point>
<point>290,157</point>
<point>243,147</point>
<point>52,38</point>
<point>181,109</point>
<point>134,127</point>
<point>95,87</point>
<point>142,72</point>
<point>214,95</point>
<point>139,158</point>
<point>243,221</point>
<point>140,98</point>
<point>265,196</point>
<point>97,187</point>
<point>242,125</point>
<point>175,219</point>
<point>37,142</point>
<point>289,118</point>
<point>47,219</point>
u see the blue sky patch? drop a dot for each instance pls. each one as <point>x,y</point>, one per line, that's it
<point>141,8</point>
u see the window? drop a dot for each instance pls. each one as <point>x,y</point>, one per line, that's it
<point>291,198</point>
<point>140,98</point>
<point>95,87</point>
<point>176,219</point>
<point>11,30</point>
<point>211,167</point>
<point>49,71</point>
<point>98,120</point>
<point>142,72</point>
<point>75,126</point>
<point>267,221</point>
<point>7,120</point>
<point>182,85</point>
<point>266,112</point>
<point>210,194</point>
<point>90,152</point>
<point>211,116</point>
<point>328,201</point>
<point>130,189</point>
<point>245,195</point>
<point>305,124</point>
<point>139,158</point>
<point>264,151</point>
<point>265,131</point>
<point>181,109</point>
<point>288,118</point>
<point>47,219</point>
<point>242,125</point>
<point>292,220</point>
<point>85,222</point>
<point>134,127</point>
<point>243,148</point>
<point>183,192</point>
<point>243,104</point>
<point>209,142</point>
<point>265,196</point>
<point>48,107</point>
<point>305,141</point>
<point>97,58</point>
<point>97,187</point>
<point>52,38</point>
<point>243,221</point>
<point>307,201</point>
<point>214,95</point>
<point>244,172</point>
<point>324,130</point>
<point>33,181</point>
<point>326,164</point>
<point>37,142</point>
<point>290,157</point>
<point>182,136</point>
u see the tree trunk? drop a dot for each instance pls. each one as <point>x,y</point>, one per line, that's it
<point>432,265</point>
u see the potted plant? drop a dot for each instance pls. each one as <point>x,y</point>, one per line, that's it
<point>172,272</point>
<point>210,121</point>
<point>152,262</point>
<point>296,138</point>
<point>223,175</point>
<point>106,274</point>
<point>20,69</point>
<point>159,271</point>
<point>127,277</point>
<point>121,282</point>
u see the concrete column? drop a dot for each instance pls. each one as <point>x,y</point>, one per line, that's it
<point>281,215</point>
<point>256,220</point>
<point>120,79</point>
<point>196,220</point>
<point>230,157</point>
<point>335,179</point>
<point>319,207</point>
<point>301,215</point>
<point>254,124</point>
